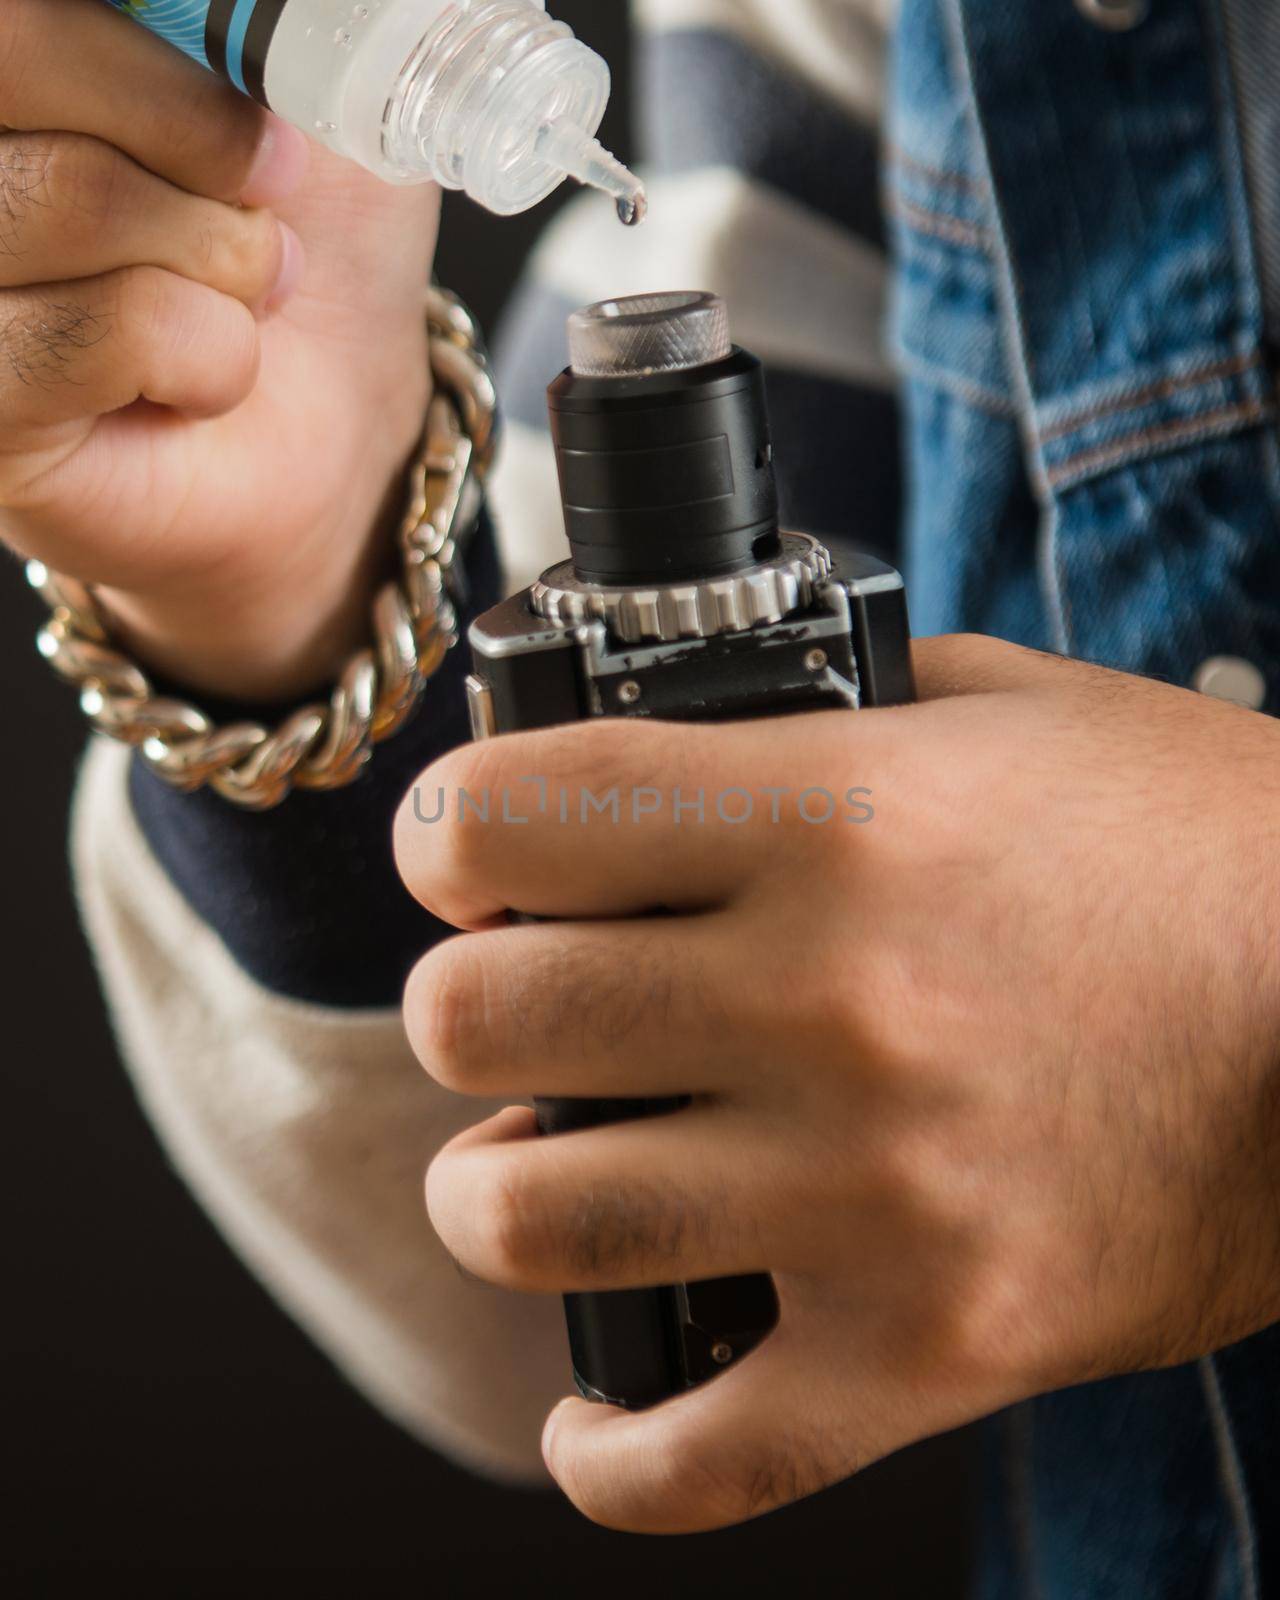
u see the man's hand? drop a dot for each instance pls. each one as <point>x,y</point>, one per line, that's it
<point>217,460</point>
<point>988,1082</point>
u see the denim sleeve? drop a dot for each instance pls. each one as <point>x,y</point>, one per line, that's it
<point>306,897</point>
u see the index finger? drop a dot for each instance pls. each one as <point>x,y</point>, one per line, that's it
<point>76,66</point>
<point>612,818</point>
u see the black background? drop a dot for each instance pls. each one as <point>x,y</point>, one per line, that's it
<point>163,1424</point>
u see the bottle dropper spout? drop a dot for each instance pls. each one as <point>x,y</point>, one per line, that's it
<point>572,149</point>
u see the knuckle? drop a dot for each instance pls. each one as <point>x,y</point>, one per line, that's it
<point>918,1182</point>
<point>968,1303</point>
<point>214,147</point>
<point>144,302</point>
<point>436,854</point>
<point>439,1013</point>
<point>514,1245</point>
<point>442,829</point>
<point>162,317</point>
<point>84,180</point>
<point>168,323</point>
<point>895,1020</point>
<point>244,247</point>
<point>976,1330</point>
<point>865,1014</point>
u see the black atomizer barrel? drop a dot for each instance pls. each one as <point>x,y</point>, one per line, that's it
<point>661,432</point>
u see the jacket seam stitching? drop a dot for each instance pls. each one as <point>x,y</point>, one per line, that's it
<point>1183,430</point>
<point>1162,389</point>
<point>947,180</point>
<point>940,225</point>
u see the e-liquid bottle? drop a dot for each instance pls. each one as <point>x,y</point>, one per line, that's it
<point>493,97</point>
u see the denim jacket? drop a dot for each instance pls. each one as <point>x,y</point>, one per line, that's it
<point>1080,319</point>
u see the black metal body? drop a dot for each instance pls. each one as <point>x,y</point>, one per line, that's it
<point>666,477</point>
<point>669,479</point>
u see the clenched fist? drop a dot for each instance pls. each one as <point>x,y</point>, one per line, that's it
<point>212,366</point>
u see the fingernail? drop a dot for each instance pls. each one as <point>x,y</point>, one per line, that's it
<point>292,261</point>
<point>279,166</point>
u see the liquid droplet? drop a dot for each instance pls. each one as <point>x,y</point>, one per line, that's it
<point>342,38</point>
<point>633,209</point>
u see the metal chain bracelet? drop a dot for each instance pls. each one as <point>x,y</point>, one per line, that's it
<point>415,621</point>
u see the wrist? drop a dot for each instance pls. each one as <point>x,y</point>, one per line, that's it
<point>214,629</point>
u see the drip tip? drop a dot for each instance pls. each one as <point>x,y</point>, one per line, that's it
<point>563,144</point>
<point>649,334</point>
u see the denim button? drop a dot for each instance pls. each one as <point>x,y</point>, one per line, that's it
<point>1118,16</point>
<point>1230,678</point>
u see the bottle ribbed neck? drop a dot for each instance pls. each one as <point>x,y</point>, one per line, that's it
<point>476,93</point>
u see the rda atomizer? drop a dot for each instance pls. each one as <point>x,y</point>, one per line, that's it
<point>682,600</point>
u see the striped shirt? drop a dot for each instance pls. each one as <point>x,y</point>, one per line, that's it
<point>259,1020</point>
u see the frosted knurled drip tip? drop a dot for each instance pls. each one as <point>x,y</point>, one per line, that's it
<point>649,333</point>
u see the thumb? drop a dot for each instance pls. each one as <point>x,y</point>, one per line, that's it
<point>757,1437</point>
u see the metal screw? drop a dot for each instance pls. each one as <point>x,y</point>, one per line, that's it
<point>815,661</point>
<point>722,1354</point>
<point>630,692</point>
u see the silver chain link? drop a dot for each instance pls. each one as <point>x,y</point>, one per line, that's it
<point>415,621</point>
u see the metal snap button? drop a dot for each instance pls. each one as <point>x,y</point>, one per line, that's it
<point>1230,678</point>
<point>1117,16</point>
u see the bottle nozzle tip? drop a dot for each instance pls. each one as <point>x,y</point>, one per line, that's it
<point>576,153</point>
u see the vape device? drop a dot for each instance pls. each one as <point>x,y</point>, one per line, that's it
<point>682,601</point>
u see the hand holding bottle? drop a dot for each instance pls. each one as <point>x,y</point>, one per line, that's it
<point>205,405</point>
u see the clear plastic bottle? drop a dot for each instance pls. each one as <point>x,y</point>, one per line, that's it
<point>493,97</point>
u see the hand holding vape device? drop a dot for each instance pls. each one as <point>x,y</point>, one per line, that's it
<point>682,600</point>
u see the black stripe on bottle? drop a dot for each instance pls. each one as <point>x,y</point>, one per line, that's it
<point>215,34</point>
<point>257,42</point>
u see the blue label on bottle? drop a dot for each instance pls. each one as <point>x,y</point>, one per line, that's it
<point>181,22</point>
<point>228,36</point>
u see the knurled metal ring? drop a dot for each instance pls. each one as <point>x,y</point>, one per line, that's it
<point>667,613</point>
